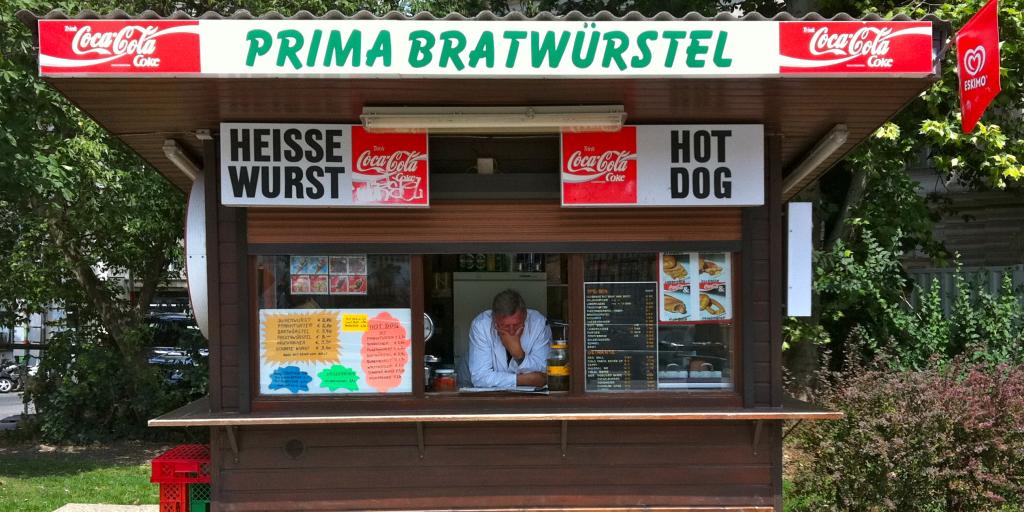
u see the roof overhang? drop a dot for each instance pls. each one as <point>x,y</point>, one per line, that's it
<point>145,110</point>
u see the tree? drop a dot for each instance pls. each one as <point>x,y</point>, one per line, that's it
<point>869,202</point>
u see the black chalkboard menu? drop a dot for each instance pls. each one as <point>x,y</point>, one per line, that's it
<point>621,335</point>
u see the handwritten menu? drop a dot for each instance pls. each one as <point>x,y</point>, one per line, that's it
<point>332,351</point>
<point>308,337</point>
<point>621,335</point>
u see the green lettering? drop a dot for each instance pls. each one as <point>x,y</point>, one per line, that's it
<point>381,49</point>
<point>697,48</point>
<point>291,43</point>
<point>616,43</point>
<point>314,47</point>
<point>419,54</point>
<point>484,50</point>
<point>578,59</point>
<point>643,43</point>
<point>513,37</point>
<point>719,59</point>
<point>673,37</point>
<point>547,49</point>
<point>340,52</point>
<point>453,42</point>
<point>259,45</point>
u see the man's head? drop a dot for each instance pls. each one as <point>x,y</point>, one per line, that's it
<point>508,311</point>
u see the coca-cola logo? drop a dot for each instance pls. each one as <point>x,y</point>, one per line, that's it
<point>856,47</point>
<point>865,41</point>
<point>130,40</point>
<point>389,164</point>
<point>118,46</point>
<point>608,166</point>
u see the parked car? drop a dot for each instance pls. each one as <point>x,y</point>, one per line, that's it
<point>177,343</point>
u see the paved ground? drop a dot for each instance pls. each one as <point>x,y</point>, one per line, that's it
<point>10,408</point>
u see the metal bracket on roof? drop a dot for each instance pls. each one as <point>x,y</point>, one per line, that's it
<point>204,135</point>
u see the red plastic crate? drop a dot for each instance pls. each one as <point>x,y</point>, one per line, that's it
<point>173,498</point>
<point>184,464</point>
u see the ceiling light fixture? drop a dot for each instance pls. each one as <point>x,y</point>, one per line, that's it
<point>493,119</point>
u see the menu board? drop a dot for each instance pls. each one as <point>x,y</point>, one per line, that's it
<point>335,351</point>
<point>695,287</point>
<point>621,335</point>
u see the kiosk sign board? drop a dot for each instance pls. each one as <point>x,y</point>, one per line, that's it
<point>266,164</point>
<point>482,49</point>
<point>664,165</point>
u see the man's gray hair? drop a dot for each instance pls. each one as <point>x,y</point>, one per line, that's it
<point>508,302</point>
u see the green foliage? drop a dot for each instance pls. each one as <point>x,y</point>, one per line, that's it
<point>85,392</point>
<point>988,157</point>
<point>944,438</point>
<point>865,294</point>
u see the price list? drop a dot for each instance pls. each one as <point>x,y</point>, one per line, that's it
<point>621,336</point>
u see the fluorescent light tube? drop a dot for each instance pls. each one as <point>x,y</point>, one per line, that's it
<point>493,119</point>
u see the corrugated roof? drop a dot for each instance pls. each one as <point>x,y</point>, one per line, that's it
<point>28,16</point>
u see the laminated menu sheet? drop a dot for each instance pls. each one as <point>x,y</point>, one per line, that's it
<point>695,287</point>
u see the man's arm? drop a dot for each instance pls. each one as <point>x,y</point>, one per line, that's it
<point>481,364</point>
<point>537,346</point>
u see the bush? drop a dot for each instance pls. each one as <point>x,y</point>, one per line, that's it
<point>945,438</point>
<point>86,391</point>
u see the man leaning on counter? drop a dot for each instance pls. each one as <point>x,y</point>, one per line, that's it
<point>508,344</point>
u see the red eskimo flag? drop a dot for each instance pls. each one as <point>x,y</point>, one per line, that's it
<point>977,58</point>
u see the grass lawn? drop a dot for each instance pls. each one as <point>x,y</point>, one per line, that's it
<point>38,478</point>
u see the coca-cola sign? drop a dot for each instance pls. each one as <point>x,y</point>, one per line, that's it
<point>276,164</point>
<point>118,47</point>
<point>855,47</point>
<point>391,168</point>
<point>664,165</point>
<point>599,168</point>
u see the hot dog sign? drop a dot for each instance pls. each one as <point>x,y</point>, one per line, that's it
<point>664,165</point>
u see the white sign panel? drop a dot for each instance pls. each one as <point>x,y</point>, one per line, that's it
<point>377,48</point>
<point>267,164</point>
<point>700,165</point>
<point>799,270</point>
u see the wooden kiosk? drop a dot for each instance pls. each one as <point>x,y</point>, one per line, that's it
<point>358,183</point>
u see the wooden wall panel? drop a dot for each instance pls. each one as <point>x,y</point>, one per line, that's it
<point>492,222</point>
<point>498,465</point>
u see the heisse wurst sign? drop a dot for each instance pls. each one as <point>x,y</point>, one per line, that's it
<point>664,165</point>
<point>321,165</point>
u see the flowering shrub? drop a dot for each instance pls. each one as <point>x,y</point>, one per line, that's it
<point>948,437</point>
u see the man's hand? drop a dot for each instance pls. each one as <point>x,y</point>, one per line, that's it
<point>512,340</point>
<point>536,379</point>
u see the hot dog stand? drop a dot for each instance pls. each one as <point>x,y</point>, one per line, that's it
<point>360,186</point>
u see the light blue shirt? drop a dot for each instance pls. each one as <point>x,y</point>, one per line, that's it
<point>489,365</point>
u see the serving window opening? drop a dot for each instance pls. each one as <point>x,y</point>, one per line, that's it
<point>342,324</point>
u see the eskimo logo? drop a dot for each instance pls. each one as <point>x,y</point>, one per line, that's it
<point>974,60</point>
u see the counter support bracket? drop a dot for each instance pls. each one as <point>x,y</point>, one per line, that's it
<point>231,432</point>
<point>757,434</point>
<point>565,436</point>
<point>419,439</point>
